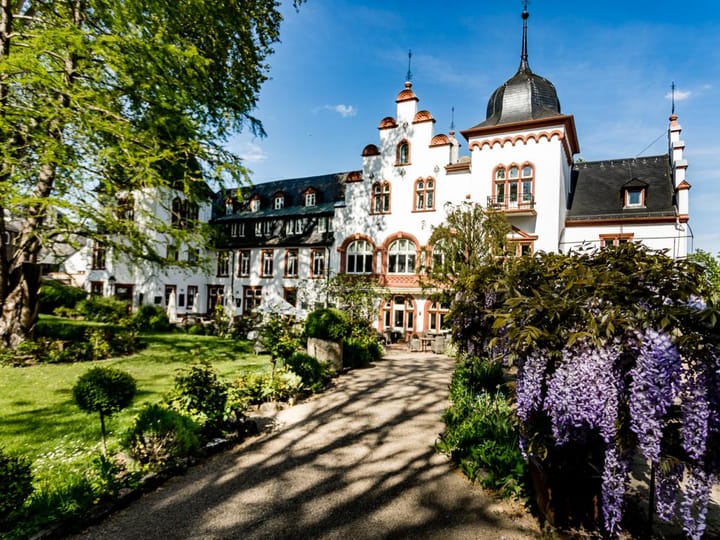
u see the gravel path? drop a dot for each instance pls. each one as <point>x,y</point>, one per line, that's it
<point>354,463</point>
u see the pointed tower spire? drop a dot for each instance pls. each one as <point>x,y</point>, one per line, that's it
<point>672,89</point>
<point>524,66</point>
<point>409,73</point>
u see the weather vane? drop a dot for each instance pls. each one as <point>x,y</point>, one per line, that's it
<point>409,73</point>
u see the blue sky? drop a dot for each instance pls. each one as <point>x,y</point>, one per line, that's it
<point>340,65</point>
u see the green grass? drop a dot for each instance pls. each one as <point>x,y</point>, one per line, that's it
<point>39,418</point>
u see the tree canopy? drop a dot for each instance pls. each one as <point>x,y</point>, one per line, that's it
<point>101,98</point>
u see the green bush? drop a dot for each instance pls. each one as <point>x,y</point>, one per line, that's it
<point>314,374</point>
<point>15,485</point>
<point>54,295</point>
<point>279,336</point>
<point>361,351</point>
<point>62,330</point>
<point>103,309</point>
<point>105,391</point>
<point>281,384</point>
<point>151,318</point>
<point>482,437</point>
<point>477,375</point>
<point>327,323</point>
<point>201,395</point>
<point>160,436</point>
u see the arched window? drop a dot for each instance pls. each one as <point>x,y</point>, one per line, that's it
<point>380,203</point>
<point>359,257</point>
<point>425,194</point>
<point>401,257</point>
<point>255,203</point>
<point>514,187</point>
<point>403,153</point>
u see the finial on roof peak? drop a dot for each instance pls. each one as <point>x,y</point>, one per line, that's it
<point>409,73</point>
<point>524,66</point>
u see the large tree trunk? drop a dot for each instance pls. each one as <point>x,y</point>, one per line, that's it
<point>21,275</point>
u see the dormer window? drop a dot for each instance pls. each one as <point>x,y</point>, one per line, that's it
<point>229,206</point>
<point>255,204</point>
<point>634,193</point>
<point>279,201</point>
<point>310,198</point>
<point>403,154</point>
<point>635,197</point>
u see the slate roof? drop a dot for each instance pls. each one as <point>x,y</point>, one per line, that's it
<point>597,189</point>
<point>329,189</point>
<point>525,96</point>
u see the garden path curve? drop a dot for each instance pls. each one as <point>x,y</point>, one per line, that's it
<point>356,462</point>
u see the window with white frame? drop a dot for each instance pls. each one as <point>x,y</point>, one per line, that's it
<point>358,259</point>
<point>425,194</point>
<point>380,203</point>
<point>258,229</point>
<point>291,263</point>
<point>279,201</point>
<point>401,257</point>
<point>244,263</point>
<point>513,187</point>
<point>223,263</point>
<point>252,297</point>
<point>255,204</point>
<point>317,263</point>
<point>267,262</point>
<point>310,198</point>
<point>635,197</point>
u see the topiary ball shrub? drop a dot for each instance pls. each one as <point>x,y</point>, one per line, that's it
<point>15,485</point>
<point>314,374</point>
<point>105,391</point>
<point>327,323</point>
<point>161,436</point>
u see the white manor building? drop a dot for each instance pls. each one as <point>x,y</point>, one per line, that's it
<point>280,240</point>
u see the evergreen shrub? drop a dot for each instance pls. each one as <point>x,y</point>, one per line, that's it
<point>15,485</point>
<point>314,374</point>
<point>328,323</point>
<point>160,436</point>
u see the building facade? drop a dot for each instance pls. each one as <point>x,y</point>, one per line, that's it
<point>279,242</point>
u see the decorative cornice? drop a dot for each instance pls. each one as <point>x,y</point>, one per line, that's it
<point>647,220</point>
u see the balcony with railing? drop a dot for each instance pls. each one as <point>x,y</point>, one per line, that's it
<point>517,206</point>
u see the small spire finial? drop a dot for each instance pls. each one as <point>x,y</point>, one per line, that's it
<point>409,73</point>
<point>452,119</point>
<point>672,94</point>
<point>524,55</point>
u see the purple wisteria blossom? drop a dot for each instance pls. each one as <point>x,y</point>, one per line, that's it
<point>693,508</point>
<point>667,489</point>
<point>530,377</point>
<point>614,484</point>
<point>655,382</point>
<point>695,414</point>
<point>583,392</point>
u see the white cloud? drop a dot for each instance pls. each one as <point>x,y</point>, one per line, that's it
<point>680,95</point>
<point>252,153</point>
<point>342,110</point>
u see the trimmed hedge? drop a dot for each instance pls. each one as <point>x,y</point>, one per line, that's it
<point>328,323</point>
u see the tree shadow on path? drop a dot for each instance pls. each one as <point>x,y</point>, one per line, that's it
<point>356,462</point>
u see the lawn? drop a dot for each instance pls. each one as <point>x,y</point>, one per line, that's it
<point>40,420</point>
